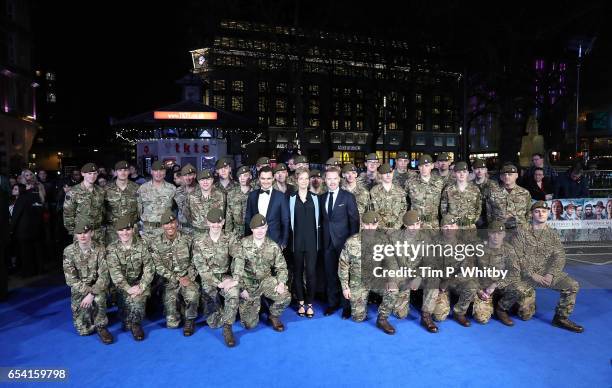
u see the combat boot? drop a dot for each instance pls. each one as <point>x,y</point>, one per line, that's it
<point>428,323</point>
<point>228,336</point>
<point>566,324</point>
<point>276,323</point>
<point>384,325</point>
<point>137,332</point>
<point>105,335</point>
<point>189,327</point>
<point>503,317</point>
<point>462,320</point>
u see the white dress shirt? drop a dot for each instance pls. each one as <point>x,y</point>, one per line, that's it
<point>263,201</point>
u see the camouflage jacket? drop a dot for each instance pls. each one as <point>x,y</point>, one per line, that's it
<point>425,196</point>
<point>503,204</point>
<point>121,203</point>
<point>86,272</point>
<point>539,251</point>
<point>390,205</point>
<point>236,209</point>
<point>82,204</point>
<point>499,258</point>
<point>213,259</point>
<point>180,197</point>
<point>400,178</point>
<point>172,258</point>
<point>253,264</point>
<point>349,264</point>
<point>362,195</point>
<point>198,206</point>
<point>130,266</point>
<point>225,190</point>
<point>153,202</point>
<point>367,182</point>
<point>485,189</point>
<point>465,206</point>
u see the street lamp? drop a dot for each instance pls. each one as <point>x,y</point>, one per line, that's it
<point>582,46</point>
<point>384,128</point>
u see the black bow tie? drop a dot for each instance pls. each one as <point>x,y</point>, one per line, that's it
<point>261,191</point>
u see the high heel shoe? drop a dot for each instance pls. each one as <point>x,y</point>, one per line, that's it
<point>311,313</point>
<point>301,307</point>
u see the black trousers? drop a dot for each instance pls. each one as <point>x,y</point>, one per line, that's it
<point>331,257</point>
<point>305,260</point>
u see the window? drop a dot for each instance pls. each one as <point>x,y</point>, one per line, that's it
<point>281,121</point>
<point>238,86</point>
<point>435,111</point>
<point>263,86</point>
<point>237,103</point>
<point>435,127</point>
<point>334,124</point>
<point>51,97</point>
<point>347,109</point>
<point>262,120</point>
<point>218,84</point>
<point>418,98</point>
<point>349,138</point>
<point>347,92</point>
<point>313,122</point>
<point>359,108</point>
<point>392,125</point>
<point>219,102</point>
<point>438,141</point>
<point>362,138</point>
<point>436,99</point>
<point>450,141</point>
<point>262,105</point>
<point>448,127</point>
<point>313,107</point>
<point>336,137</point>
<point>281,87</point>
<point>359,125</point>
<point>419,114</point>
<point>281,105</point>
<point>313,90</point>
<point>419,127</point>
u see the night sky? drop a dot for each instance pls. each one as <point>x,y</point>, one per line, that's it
<point>118,60</point>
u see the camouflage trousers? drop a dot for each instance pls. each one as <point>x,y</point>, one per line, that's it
<point>359,303</point>
<point>173,293</point>
<point>466,290</point>
<point>87,320</point>
<point>566,285</point>
<point>249,308</point>
<point>482,310</point>
<point>222,314</point>
<point>131,308</point>
<point>401,309</point>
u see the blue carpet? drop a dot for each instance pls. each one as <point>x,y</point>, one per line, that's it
<point>36,331</point>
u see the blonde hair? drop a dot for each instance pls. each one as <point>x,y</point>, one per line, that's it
<point>301,170</point>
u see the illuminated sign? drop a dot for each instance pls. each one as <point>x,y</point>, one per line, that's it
<point>163,115</point>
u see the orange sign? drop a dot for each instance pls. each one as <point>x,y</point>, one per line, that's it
<point>163,115</point>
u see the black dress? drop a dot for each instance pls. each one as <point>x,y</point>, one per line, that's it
<point>305,247</point>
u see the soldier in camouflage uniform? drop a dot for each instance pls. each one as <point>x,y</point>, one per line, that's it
<point>482,181</point>
<point>236,203</point>
<point>202,200</point>
<point>424,192</point>
<point>461,199</point>
<point>362,195</point>
<point>87,276</point>
<point>401,172</point>
<point>120,197</point>
<point>224,182</point>
<point>300,161</point>
<point>131,270</point>
<point>212,257</point>
<point>280,180</point>
<point>188,186</point>
<point>464,287</point>
<point>85,203</point>
<point>443,171</point>
<point>541,260</point>
<point>369,178</point>
<point>172,257</point>
<point>261,270</point>
<point>154,198</point>
<point>509,202</point>
<point>388,200</point>
<point>350,272</point>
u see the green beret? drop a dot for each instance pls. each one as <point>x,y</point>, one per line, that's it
<point>314,173</point>
<point>243,170</point>
<point>300,159</point>
<point>509,168</point>
<point>122,165</point>
<point>479,163</point>
<point>279,167</point>
<point>384,168</point>
<point>124,222</point>
<point>448,219</point>
<point>348,168</point>
<point>188,169</point>
<point>411,217</point>
<point>497,226</point>
<point>215,215</point>
<point>204,174</point>
<point>157,165</point>
<point>221,163</point>
<point>402,155</point>
<point>82,227</point>
<point>443,157</point>
<point>369,217</point>
<point>332,162</point>
<point>167,217</point>
<point>540,205</point>
<point>425,158</point>
<point>263,160</point>
<point>461,166</point>
<point>257,221</point>
<point>372,157</point>
<point>89,167</point>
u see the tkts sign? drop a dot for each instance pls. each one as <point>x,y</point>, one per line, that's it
<point>187,147</point>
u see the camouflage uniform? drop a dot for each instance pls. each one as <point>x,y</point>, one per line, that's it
<point>362,196</point>
<point>213,262</point>
<point>485,189</point>
<point>198,207</point>
<point>152,203</point>
<point>128,267</point>
<point>86,272</point>
<point>400,178</point>
<point>120,203</point>
<point>541,252</point>
<point>172,260</point>
<point>425,198</point>
<point>180,197</point>
<point>390,205</point>
<point>446,180</point>
<point>464,206</point>
<point>253,266</point>
<point>226,189</point>
<point>350,274</point>
<point>367,181</point>
<point>504,204</point>
<point>82,205</point>
<point>236,209</point>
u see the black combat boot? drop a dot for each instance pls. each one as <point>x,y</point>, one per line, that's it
<point>228,336</point>
<point>384,325</point>
<point>276,323</point>
<point>462,320</point>
<point>105,335</point>
<point>503,317</point>
<point>428,323</point>
<point>566,324</point>
<point>189,327</point>
<point>137,332</point>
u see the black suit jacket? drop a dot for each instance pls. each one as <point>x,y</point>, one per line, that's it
<point>26,221</point>
<point>277,216</point>
<point>344,220</point>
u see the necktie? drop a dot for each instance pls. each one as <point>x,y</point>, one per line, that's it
<point>330,203</point>
<point>261,191</point>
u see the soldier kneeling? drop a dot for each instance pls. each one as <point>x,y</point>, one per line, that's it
<point>87,276</point>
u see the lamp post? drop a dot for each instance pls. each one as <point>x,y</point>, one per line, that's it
<point>384,129</point>
<point>582,46</point>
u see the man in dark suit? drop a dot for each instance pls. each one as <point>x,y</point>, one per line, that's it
<point>340,220</point>
<point>272,204</point>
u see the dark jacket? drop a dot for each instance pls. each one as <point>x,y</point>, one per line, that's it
<point>26,221</point>
<point>344,220</point>
<point>537,193</point>
<point>566,187</point>
<point>277,216</point>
